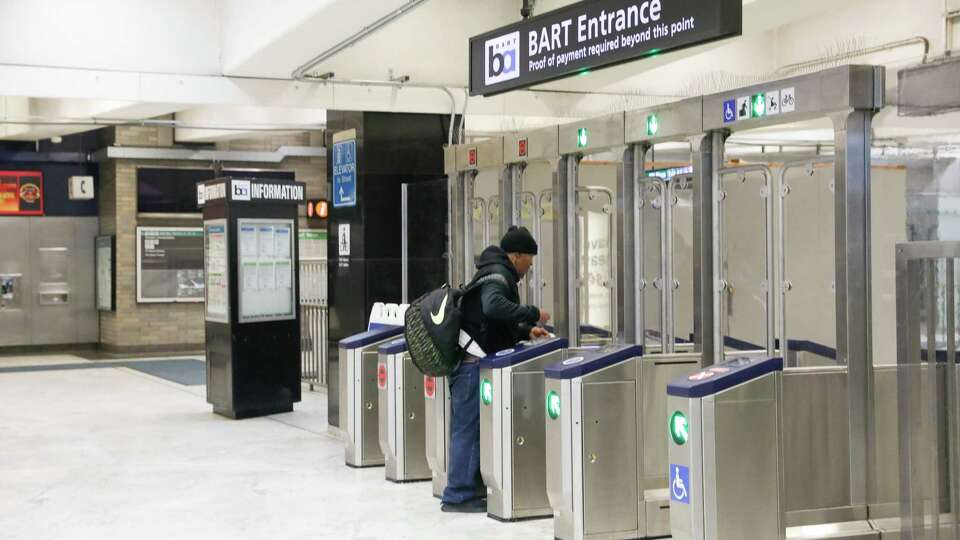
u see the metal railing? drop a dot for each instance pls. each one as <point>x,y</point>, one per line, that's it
<point>927,384</point>
<point>313,322</point>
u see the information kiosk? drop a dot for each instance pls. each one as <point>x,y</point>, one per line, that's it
<point>250,284</point>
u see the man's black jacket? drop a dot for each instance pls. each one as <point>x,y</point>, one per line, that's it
<point>493,314</point>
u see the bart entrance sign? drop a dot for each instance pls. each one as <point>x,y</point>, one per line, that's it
<point>594,34</point>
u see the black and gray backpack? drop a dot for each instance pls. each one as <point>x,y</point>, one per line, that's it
<point>432,327</point>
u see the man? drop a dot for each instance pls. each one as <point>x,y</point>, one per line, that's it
<point>495,320</point>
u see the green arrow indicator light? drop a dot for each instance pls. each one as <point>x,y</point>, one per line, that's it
<point>486,391</point>
<point>553,405</point>
<point>759,107</point>
<point>653,125</point>
<point>679,428</point>
<point>582,138</point>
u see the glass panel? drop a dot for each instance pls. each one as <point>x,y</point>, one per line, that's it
<point>683,258</point>
<point>596,200</point>
<point>743,256</point>
<point>651,215</point>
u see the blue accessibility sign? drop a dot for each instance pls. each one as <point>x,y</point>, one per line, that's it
<point>345,173</point>
<point>679,484</point>
<point>729,111</point>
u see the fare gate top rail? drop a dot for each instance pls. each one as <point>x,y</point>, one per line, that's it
<point>523,352</point>
<point>396,346</point>
<point>584,361</point>
<point>370,337</point>
<point>723,376</point>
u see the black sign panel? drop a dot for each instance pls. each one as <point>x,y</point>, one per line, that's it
<point>593,34</point>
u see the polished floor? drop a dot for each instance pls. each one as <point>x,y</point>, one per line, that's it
<point>116,453</point>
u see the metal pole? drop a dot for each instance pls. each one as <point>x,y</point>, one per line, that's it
<point>468,263</point>
<point>566,289</point>
<point>853,288</point>
<point>404,244</point>
<point>707,161</point>
<point>628,269</point>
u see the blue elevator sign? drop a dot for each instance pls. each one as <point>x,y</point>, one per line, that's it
<point>345,173</point>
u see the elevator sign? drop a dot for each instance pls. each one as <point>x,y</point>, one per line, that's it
<point>594,34</point>
<point>345,173</point>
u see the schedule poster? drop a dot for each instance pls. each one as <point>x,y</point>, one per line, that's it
<point>266,263</point>
<point>217,271</point>
<point>170,264</point>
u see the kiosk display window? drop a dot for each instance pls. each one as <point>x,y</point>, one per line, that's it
<point>217,272</point>
<point>266,283</point>
<point>106,272</point>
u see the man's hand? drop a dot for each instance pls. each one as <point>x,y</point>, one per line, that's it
<point>544,317</point>
<point>538,332</point>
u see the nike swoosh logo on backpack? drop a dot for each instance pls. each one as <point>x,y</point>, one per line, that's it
<point>437,317</point>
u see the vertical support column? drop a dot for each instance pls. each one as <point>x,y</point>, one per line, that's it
<point>404,244</point>
<point>629,254</point>
<point>456,233</point>
<point>468,263</point>
<point>853,288</point>
<point>707,162</point>
<point>909,410</point>
<point>509,201</point>
<point>566,289</point>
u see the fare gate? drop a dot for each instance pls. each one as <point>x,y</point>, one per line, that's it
<point>512,439</point>
<point>401,420</point>
<point>593,468</point>
<point>358,389</point>
<point>723,430</point>
<point>437,416</point>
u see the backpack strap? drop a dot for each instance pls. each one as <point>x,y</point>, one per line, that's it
<point>480,280</point>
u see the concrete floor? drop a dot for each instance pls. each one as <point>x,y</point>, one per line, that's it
<point>115,453</point>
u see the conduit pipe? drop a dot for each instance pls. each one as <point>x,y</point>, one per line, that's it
<point>364,33</point>
<point>302,73</point>
<point>109,122</point>
<point>811,64</point>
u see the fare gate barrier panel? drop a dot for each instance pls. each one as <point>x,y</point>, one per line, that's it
<point>593,466</point>
<point>648,376</point>
<point>725,471</point>
<point>401,419</point>
<point>512,438</point>
<point>437,417</point>
<point>358,392</point>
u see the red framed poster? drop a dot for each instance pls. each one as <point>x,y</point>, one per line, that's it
<point>21,193</point>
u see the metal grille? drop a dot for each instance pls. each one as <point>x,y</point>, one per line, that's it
<point>313,322</point>
<point>927,386</point>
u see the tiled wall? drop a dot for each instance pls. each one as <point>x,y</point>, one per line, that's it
<point>137,327</point>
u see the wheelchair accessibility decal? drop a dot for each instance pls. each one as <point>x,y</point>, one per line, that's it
<point>680,484</point>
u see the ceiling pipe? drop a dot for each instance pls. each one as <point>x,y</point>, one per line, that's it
<point>302,73</point>
<point>811,64</point>
<point>364,33</point>
<point>109,122</point>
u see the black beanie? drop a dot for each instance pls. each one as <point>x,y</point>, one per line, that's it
<point>518,240</point>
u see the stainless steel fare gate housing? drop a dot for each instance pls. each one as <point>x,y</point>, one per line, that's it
<point>358,394</point>
<point>437,416</point>
<point>512,437</point>
<point>723,430</point>
<point>401,407</point>
<point>585,403</point>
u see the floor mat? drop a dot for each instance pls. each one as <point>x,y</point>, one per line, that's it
<point>188,372</point>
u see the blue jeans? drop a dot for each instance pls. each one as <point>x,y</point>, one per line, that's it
<point>464,482</point>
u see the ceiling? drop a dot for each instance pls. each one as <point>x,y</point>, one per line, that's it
<point>222,68</point>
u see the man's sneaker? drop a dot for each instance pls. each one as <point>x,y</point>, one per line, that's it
<point>475,506</point>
